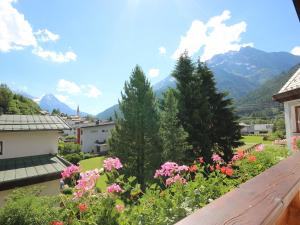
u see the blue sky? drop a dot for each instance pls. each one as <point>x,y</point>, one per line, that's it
<point>84,51</point>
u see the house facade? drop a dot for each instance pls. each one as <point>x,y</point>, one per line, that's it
<point>28,148</point>
<point>94,137</point>
<point>289,95</point>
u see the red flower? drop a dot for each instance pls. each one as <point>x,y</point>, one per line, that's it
<point>223,169</point>
<point>82,207</point>
<point>193,168</point>
<point>57,223</point>
<point>211,168</point>
<point>218,167</point>
<point>229,171</point>
<point>201,160</point>
<point>252,158</point>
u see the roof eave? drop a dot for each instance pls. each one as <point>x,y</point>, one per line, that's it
<point>287,96</point>
<point>297,7</point>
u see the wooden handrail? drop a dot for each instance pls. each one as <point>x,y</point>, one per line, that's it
<point>262,200</point>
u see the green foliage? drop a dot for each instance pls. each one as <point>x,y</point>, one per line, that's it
<point>135,139</point>
<point>26,207</point>
<point>55,112</point>
<point>74,158</point>
<point>156,205</point>
<point>65,148</point>
<point>206,114</point>
<point>11,103</point>
<point>173,136</point>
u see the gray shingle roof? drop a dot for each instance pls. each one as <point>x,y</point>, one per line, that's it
<point>20,169</point>
<point>31,122</point>
<point>292,84</point>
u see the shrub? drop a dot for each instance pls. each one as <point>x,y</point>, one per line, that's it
<point>26,207</point>
<point>73,158</point>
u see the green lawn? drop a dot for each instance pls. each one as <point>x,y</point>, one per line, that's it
<point>93,163</point>
<point>254,140</point>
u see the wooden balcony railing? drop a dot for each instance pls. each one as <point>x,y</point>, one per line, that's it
<point>271,198</point>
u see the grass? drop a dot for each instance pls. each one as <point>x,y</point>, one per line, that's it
<point>93,163</point>
<point>254,140</point>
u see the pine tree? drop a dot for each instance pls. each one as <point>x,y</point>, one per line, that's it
<point>174,138</point>
<point>224,129</point>
<point>206,114</point>
<point>194,113</point>
<point>135,139</point>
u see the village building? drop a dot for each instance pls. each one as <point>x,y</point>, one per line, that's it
<point>94,137</point>
<point>28,148</point>
<point>256,128</point>
<point>289,95</point>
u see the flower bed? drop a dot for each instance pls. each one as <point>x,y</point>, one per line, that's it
<point>177,191</point>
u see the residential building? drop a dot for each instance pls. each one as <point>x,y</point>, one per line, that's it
<point>289,95</point>
<point>28,148</point>
<point>93,137</point>
<point>256,128</point>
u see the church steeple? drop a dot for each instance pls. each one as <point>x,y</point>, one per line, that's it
<point>78,112</point>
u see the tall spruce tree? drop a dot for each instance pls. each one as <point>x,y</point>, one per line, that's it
<point>194,113</point>
<point>224,128</point>
<point>206,114</point>
<point>135,139</point>
<point>173,136</point>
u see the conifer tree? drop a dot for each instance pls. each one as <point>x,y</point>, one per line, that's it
<point>193,107</point>
<point>224,128</point>
<point>206,114</point>
<point>135,139</point>
<point>174,138</point>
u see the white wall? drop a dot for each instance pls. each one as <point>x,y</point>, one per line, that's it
<point>28,143</point>
<point>91,134</point>
<point>290,120</point>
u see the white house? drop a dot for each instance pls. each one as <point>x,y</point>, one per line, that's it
<point>28,144</point>
<point>289,95</point>
<point>94,137</point>
<point>256,128</point>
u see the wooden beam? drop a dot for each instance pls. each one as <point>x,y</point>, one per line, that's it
<point>260,201</point>
<point>297,7</point>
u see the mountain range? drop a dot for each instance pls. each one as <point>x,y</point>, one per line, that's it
<point>243,74</point>
<point>237,73</point>
<point>49,102</point>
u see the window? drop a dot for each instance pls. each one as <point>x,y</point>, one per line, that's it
<point>1,148</point>
<point>297,113</point>
<point>81,131</point>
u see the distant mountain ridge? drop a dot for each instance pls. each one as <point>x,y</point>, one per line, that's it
<point>236,72</point>
<point>49,102</point>
<point>259,102</point>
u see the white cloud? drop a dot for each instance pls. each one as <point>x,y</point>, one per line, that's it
<point>16,33</point>
<point>66,99</point>
<point>296,50</point>
<point>45,35</point>
<point>162,50</point>
<point>58,57</point>
<point>72,88</point>
<point>69,87</point>
<point>92,91</point>
<point>153,72</point>
<point>214,36</point>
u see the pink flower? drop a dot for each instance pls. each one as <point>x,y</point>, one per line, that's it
<point>259,148</point>
<point>169,169</point>
<point>216,158</point>
<point>182,168</point>
<point>114,188</point>
<point>86,182</point>
<point>112,163</point>
<point>175,179</point>
<point>120,208</point>
<point>69,171</point>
